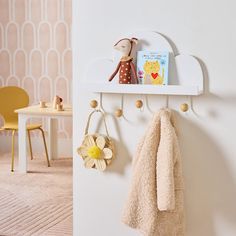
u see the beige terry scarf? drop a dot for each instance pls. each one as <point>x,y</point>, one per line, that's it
<point>155,201</point>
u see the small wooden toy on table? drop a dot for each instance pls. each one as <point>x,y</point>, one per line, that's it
<point>57,103</point>
<point>42,104</point>
<point>125,66</point>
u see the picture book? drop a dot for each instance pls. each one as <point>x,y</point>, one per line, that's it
<point>152,67</point>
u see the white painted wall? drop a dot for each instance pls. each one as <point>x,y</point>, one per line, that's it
<point>205,29</point>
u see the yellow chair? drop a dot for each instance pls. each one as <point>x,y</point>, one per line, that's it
<point>12,98</point>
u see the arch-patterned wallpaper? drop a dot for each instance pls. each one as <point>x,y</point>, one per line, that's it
<point>35,50</point>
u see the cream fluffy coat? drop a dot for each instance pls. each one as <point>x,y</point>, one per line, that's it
<point>155,201</point>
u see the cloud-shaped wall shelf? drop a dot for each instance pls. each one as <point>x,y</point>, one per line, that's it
<point>185,72</point>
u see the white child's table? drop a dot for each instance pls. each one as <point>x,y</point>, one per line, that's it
<point>35,111</point>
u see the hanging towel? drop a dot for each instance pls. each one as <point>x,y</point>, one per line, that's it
<point>155,201</point>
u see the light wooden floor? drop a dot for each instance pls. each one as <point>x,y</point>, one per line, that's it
<point>36,203</point>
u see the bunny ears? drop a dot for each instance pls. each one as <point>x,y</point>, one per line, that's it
<point>132,40</point>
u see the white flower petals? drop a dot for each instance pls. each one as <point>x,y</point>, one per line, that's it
<point>89,141</point>
<point>82,151</point>
<point>107,153</point>
<point>101,142</point>
<point>89,162</point>
<point>100,164</point>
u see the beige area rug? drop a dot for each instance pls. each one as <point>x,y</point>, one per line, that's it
<point>36,203</point>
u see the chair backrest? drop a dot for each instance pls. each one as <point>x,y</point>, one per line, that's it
<point>12,98</point>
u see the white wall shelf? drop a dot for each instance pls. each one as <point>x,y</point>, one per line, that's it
<point>142,89</point>
<point>185,75</point>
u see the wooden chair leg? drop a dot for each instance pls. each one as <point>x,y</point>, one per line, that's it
<point>12,150</point>
<point>45,146</point>
<point>30,145</point>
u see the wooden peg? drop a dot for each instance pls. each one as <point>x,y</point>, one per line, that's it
<point>184,107</point>
<point>139,104</point>
<point>93,103</point>
<point>118,112</point>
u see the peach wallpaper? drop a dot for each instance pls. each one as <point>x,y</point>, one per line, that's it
<point>35,50</point>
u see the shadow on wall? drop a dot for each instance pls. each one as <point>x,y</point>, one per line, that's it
<point>210,188</point>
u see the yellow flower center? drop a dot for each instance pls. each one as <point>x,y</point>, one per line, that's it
<point>94,152</point>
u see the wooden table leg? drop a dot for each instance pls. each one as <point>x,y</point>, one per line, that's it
<point>52,138</point>
<point>22,143</point>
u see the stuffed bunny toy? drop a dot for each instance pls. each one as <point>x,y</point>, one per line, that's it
<point>125,66</point>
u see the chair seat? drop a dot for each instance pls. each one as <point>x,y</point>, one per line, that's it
<point>14,126</point>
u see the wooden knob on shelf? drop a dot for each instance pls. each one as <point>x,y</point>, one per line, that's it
<point>184,107</point>
<point>93,103</point>
<point>118,113</point>
<point>139,103</point>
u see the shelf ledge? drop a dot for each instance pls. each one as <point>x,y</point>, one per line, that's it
<point>141,89</point>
